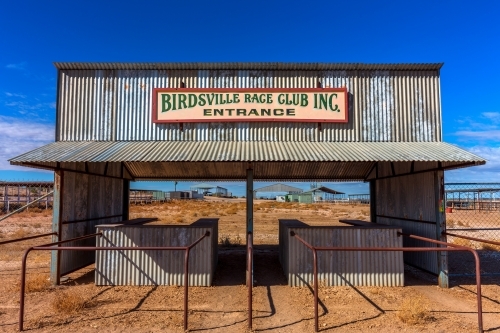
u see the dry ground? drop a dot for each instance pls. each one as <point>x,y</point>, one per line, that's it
<point>80,306</point>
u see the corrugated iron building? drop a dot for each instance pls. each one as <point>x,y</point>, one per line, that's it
<point>105,137</point>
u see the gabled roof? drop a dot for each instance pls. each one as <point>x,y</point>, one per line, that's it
<point>279,188</point>
<point>323,189</point>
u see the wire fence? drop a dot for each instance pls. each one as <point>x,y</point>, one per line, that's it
<point>25,212</point>
<point>473,210</point>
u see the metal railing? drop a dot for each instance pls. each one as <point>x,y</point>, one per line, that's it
<point>27,238</point>
<point>250,276</point>
<point>49,247</point>
<point>452,247</point>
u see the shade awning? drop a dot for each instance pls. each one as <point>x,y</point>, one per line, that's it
<point>342,160</point>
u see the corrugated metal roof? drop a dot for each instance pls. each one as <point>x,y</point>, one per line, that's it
<point>323,189</point>
<point>244,66</point>
<point>244,151</point>
<point>279,188</point>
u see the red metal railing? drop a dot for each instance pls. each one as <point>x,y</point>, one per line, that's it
<point>250,276</point>
<point>452,247</point>
<point>49,247</point>
<point>26,238</point>
<point>481,240</point>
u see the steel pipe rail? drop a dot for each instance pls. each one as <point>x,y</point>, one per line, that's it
<point>481,240</point>
<point>50,247</point>
<point>26,238</point>
<point>452,247</point>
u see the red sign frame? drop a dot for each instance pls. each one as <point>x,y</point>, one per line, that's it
<point>248,90</point>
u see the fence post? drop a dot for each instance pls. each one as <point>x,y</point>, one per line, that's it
<point>442,257</point>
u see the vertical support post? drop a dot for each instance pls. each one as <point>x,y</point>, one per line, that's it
<point>126,199</point>
<point>442,259</point>
<point>249,198</point>
<point>373,201</point>
<point>186,287</point>
<point>6,199</point>
<point>57,214</point>
<point>28,196</point>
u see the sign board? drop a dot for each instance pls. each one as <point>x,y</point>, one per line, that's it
<point>242,105</point>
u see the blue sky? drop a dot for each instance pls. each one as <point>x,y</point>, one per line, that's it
<point>463,35</point>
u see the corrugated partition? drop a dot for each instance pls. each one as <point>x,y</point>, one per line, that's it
<point>87,197</point>
<point>410,202</point>
<point>157,267</point>
<point>386,103</point>
<point>341,268</point>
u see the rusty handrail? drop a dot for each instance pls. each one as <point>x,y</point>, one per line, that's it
<point>250,276</point>
<point>452,247</point>
<point>50,247</point>
<point>481,240</point>
<point>26,238</point>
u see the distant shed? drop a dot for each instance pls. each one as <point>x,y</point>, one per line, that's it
<point>379,123</point>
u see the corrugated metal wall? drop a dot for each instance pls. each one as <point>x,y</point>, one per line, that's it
<point>116,105</point>
<point>87,197</point>
<point>413,200</point>
<point>341,268</point>
<point>156,267</point>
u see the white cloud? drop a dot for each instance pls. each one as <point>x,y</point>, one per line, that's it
<point>9,94</point>
<point>484,128</point>
<point>20,136</point>
<point>492,116</point>
<point>490,135</point>
<point>18,66</point>
<point>490,172</point>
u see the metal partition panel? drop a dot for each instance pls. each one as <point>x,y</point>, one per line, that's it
<point>342,268</point>
<point>87,201</point>
<point>156,267</point>
<point>410,202</point>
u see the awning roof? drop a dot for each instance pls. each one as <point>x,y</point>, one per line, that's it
<point>223,160</point>
<point>244,151</point>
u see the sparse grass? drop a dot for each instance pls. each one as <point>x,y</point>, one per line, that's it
<point>20,233</point>
<point>179,219</point>
<point>204,213</point>
<point>37,225</point>
<point>227,240</point>
<point>491,247</point>
<point>232,210</point>
<point>463,242</point>
<point>34,283</point>
<point>463,224</point>
<point>414,311</point>
<point>71,301</point>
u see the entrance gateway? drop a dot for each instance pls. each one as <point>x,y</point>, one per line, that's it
<point>379,123</point>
